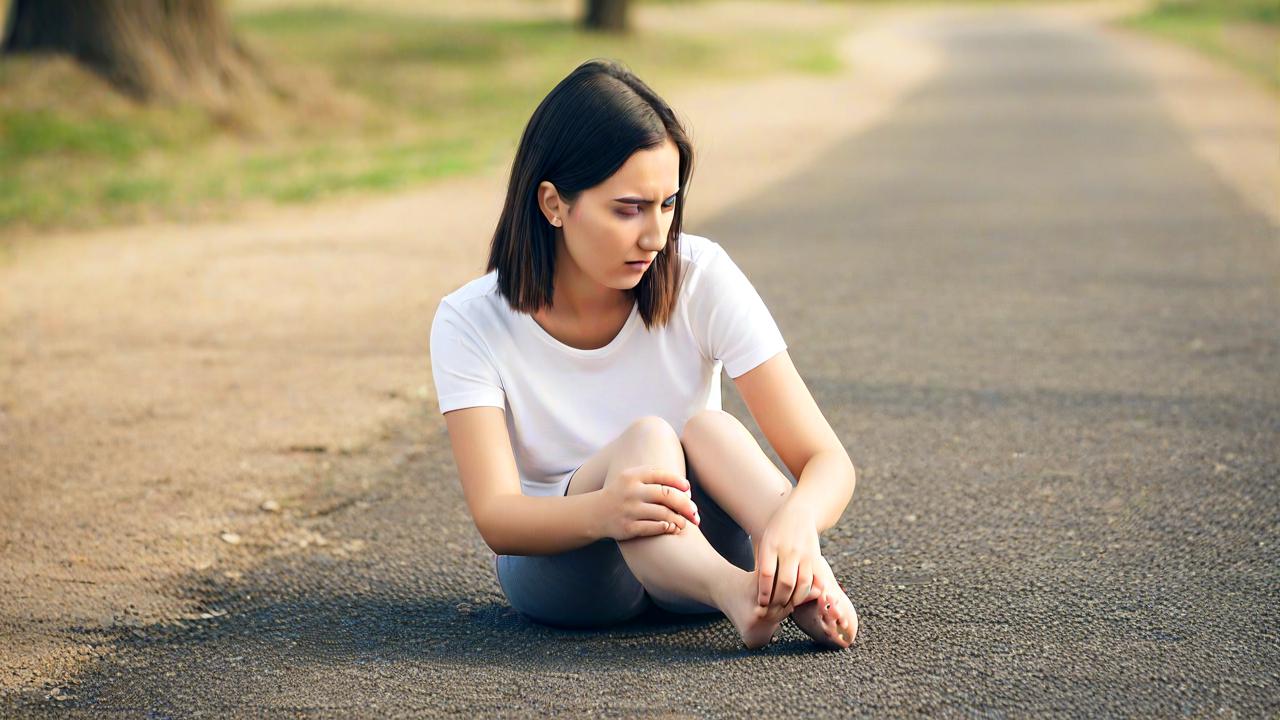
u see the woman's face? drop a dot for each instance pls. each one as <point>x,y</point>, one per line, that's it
<point>626,217</point>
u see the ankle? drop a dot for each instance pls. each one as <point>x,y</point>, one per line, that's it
<point>725,592</point>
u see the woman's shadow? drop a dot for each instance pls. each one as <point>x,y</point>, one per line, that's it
<point>288,614</point>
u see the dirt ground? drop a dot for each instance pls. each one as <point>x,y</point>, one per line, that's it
<point>177,397</point>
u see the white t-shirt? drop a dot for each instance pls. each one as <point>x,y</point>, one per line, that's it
<point>564,404</point>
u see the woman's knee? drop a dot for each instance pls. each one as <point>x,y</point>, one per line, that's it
<point>650,440</point>
<point>640,438</point>
<point>653,429</point>
<point>709,421</point>
<point>711,435</point>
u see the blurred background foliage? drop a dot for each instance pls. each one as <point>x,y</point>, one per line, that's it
<point>389,97</point>
<point>390,94</point>
<point>1244,33</point>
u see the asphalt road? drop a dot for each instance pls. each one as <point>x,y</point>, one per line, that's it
<point>1050,339</point>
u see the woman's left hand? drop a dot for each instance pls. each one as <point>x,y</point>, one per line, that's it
<point>786,555</point>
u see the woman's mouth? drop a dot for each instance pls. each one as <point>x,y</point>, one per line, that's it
<point>638,265</point>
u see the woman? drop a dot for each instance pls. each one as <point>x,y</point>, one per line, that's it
<point>579,381</point>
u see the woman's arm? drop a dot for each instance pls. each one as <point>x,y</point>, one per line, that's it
<point>825,486</point>
<point>795,427</point>
<point>526,525</point>
<point>788,549</point>
<point>512,523</point>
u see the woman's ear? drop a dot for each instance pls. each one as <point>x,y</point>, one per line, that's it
<point>549,203</point>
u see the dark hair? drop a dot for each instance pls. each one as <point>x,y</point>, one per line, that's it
<point>579,135</point>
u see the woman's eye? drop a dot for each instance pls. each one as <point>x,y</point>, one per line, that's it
<point>665,206</point>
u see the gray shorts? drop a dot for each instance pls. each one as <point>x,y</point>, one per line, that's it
<point>592,586</point>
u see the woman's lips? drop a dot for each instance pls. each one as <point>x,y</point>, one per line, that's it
<point>638,265</point>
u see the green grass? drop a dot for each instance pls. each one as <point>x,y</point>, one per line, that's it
<point>1243,33</point>
<point>43,132</point>
<point>430,99</point>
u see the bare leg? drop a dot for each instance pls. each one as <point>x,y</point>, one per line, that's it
<point>736,473</point>
<point>680,566</point>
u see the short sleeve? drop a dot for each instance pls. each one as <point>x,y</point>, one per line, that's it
<point>729,318</point>
<point>461,365</point>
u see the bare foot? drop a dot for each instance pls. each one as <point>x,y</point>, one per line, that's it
<point>831,620</point>
<point>738,602</point>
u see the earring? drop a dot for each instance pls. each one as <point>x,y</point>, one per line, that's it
<point>555,221</point>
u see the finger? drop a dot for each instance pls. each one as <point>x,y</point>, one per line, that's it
<point>786,581</point>
<point>662,513</point>
<point>678,522</point>
<point>662,476</point>
<point>804,584</point>
<point>643,528</point>
<point>675,500</point>
<point>816,590</point>
<point>766,571</point>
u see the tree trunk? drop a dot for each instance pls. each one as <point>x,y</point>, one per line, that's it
<point>151,49</point>
<point>607,16</point>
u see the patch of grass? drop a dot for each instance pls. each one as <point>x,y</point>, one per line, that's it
<point>435,97</point>
<point>1243,33</point>
<point>1263,11</point>
<point>42,132</point>
<point>126,189</point>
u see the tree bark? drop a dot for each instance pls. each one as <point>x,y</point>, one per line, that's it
<point>607,16</point>
<point>151,49</point>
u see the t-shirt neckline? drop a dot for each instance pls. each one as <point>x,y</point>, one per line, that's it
<point>613,344</point>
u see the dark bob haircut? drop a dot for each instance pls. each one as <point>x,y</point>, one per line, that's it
<point>579,135</point>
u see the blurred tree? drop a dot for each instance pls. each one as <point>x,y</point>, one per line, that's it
<point>607,16</point>
<point>151,49</point>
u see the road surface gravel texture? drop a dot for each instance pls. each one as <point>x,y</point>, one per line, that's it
<point>1049,337</point>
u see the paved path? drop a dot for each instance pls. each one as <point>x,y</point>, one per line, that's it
<point>1050,339</point>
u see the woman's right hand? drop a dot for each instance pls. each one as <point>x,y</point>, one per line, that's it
<point>646,500</point>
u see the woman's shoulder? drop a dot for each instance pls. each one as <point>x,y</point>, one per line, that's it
<point>697,249</point>
<point>474,302</point>
<point>476,288</point>
<point>698,254</point>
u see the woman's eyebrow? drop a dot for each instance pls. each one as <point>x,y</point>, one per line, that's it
<point>641,201</point>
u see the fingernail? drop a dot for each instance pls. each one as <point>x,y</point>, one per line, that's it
<point>697,518</point>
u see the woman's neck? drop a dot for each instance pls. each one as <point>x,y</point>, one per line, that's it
<point>577,296</point>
